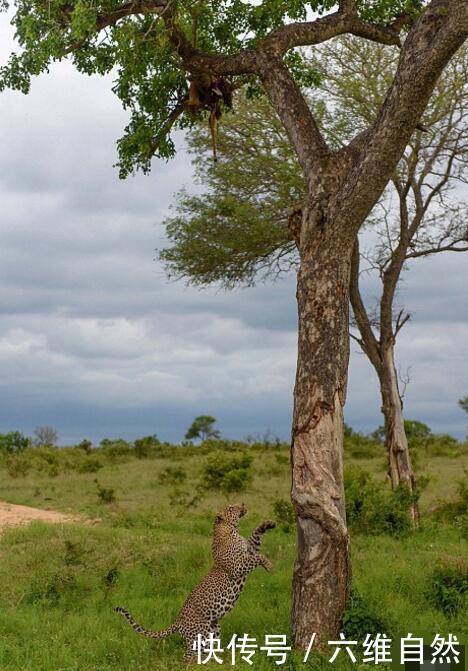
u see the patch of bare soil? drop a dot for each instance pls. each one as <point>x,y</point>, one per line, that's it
<point>13,515</point>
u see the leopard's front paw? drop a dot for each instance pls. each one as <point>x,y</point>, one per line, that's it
<point>269,524</point>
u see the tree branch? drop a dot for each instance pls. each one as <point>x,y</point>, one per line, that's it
<point>294,112</point>
<point>131,8</point>
<point>368,341</point>
<point>345,20</point>
<point>401,321</point>
<point>451,247</point>
<point>434,38</point>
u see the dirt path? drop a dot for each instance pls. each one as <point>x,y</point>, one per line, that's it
<point>13,515</point>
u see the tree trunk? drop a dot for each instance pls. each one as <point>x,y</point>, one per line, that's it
<point>322,570</point>
<point>400,469</point>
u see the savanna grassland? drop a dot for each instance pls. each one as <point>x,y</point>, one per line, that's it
<point>143,534</point>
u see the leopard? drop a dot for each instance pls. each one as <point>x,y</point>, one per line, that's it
<point>234,557</point>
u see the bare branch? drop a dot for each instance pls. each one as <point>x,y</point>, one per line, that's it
<point>401,321</point>
<point>404,381</point>
<point>452,247</point>
<point>368,341</point>
<point>435,37</point>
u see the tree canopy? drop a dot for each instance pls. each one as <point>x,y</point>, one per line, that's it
<point>153,46</point>
<point>463,403</point>
<point>236,230</point>
<point>202,427</point>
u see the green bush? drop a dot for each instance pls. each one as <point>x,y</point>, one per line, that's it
<point>451,511</point>
<point>110,578</point>
<point>12,442</point>
<point>444,445</point>
<point>146,447</point>
<point>89,465</point>
<point>105,494</point>
<point>448,587</point>
<point>226,473</point>
<point>85,445</point>
<point>51,589</point>
<point>359,446</point>
<point>372,509</point>
<point>17,466</point>
<point>116,451</point>
<point>360,619</point>
<point>285,515</point>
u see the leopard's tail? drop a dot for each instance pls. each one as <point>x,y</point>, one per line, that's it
<point>141,630</point>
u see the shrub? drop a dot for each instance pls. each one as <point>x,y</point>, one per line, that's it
<point>444,445</point>
<point>111,577</point>
<point>116,450</point>
<point>17,466</point>
<point>85,445</point>
<point>146,447</point>
<point>105,494</point>
<point>227,473</point>
<point>173,476</point>
<point>14,441</point>
<point>89,465</point>
<point>372,509</point>
<point>359,446</point>
<point>285,515</point>
<point>360,619</point>
<point>448,587</point>
<point>51,589</point>
<point>458,508</point>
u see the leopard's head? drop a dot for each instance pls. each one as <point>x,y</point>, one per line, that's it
<point>231,515</point>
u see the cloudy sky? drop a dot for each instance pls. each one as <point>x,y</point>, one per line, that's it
<point>96,342</point>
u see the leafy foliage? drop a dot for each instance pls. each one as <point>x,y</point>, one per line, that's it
<point>361,619</point>
<point>150,81</point>
<point>456,510</point>
<point>448,587</point>
<point>227,473</point>
<point>285,515</point>
<point>236,231</point>
<point>146,447</point>
<point>105,494</point>
<point>12,442</point>
<point>359,446</point>
<point>372,509</point>
<point>202,427</point>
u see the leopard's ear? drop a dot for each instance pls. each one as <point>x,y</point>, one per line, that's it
<point>219,518</point>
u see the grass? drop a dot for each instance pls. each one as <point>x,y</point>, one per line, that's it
<point>149,546</point>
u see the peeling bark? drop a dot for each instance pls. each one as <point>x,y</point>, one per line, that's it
<point>322,569</point>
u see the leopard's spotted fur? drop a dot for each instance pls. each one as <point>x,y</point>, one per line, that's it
<point>234,557</point>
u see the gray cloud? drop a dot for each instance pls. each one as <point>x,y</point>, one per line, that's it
<point>95,341</point>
